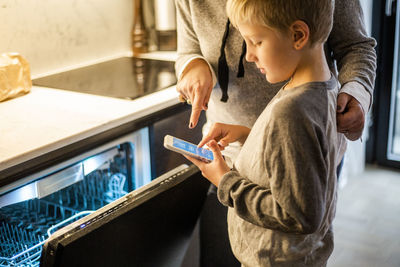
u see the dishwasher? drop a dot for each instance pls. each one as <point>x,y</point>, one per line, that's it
<point>101,208</point>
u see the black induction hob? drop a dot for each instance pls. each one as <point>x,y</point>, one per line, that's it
<point>125,77</point>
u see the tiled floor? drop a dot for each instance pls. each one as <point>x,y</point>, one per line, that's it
<point>367,223</point>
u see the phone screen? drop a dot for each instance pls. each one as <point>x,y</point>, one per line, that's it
<point>193,148</point>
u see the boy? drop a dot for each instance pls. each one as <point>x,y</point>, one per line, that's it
<point>281,192</point>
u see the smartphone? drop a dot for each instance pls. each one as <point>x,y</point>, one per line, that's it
<point>183,147</point>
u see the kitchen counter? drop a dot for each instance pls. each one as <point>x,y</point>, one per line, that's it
<point>47,119</point>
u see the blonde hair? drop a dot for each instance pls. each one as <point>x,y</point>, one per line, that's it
<point>280,14</point>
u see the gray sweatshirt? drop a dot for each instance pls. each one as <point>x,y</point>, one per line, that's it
<point>282,192</point>
<point>201,24</point>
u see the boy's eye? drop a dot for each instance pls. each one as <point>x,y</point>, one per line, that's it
<point>257,43</point>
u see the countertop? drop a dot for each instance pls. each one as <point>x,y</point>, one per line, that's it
<point>47,119</point>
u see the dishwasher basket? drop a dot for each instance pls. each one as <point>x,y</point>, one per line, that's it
<point>25,226</point>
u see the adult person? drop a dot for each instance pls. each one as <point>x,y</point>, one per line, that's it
<point>201,28</point>
<point>208,46</point>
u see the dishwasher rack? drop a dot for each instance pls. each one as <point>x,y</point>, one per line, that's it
<point>25,226</point>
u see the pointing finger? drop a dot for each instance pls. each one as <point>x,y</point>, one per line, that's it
<point>197,106</point>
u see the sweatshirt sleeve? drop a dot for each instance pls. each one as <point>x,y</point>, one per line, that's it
<point>295,199</point>
<point>188,43</point>
<point>353,51</point>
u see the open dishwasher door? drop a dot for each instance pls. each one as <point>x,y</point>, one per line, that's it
<point>150,226</point>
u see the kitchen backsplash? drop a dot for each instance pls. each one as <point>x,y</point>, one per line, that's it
<point>57,34</point>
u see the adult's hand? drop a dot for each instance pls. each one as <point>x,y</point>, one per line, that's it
<point>225,134</point>
<point>195,85</point>
<point>350,116</point>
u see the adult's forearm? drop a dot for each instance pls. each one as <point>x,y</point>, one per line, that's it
<point>188,44</point>
<point>353,49</point>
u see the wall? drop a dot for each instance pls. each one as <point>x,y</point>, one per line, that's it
<point>57,34</point>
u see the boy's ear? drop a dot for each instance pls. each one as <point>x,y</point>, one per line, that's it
<point>300,33</point>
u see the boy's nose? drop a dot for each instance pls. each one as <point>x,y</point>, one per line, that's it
<point>250,57</point>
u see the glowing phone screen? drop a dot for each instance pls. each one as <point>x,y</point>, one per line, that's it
<point>205,153</point>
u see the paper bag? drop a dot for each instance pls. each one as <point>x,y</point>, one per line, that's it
<point>15,76</point>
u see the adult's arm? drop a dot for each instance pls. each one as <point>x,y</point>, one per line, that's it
<point>353,51</point>
<point>355,55</point>
<point>196,77</point>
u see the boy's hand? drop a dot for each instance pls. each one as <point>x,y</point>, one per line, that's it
<point>195,87</point>
<point>225,134</point>
<point>350,116</point>
<point>214,170</point>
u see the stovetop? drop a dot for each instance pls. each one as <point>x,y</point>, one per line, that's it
<point>125,77</point>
